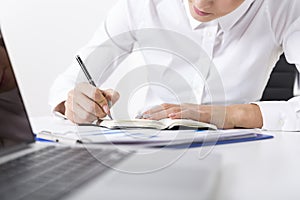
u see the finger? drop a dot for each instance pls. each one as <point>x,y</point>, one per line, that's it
<point>86,88</point>
<point>164,113</point>
<point>154,109</point>
<point>91,92</point>
<point>89,105</point>
<point>95,94</point>
<point>159,108</point>
<point>156,116</point>
<point>78,115</point>
<point>76,99</point>
<point>111,95</point>
<point>188,114</point>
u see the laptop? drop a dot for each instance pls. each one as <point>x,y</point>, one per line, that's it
<point>45,170</point>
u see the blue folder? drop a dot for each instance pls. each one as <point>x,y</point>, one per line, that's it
<point>199,144</point>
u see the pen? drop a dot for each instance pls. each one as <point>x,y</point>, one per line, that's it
<point>90,80</point>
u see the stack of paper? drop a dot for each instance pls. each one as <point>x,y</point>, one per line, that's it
<point>145,136</point>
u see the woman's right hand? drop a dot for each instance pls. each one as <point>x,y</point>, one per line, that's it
<point>86,103</point>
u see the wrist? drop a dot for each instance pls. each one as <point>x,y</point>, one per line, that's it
<point>245,116</point>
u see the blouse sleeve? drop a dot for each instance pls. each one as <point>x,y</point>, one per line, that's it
<point>284,115</point>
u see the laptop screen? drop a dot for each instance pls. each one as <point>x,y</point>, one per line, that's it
<point>15,128</point>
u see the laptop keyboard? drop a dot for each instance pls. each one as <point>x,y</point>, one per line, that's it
<point>54,171</point>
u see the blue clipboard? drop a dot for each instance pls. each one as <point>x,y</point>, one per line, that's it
<point>200,144</point>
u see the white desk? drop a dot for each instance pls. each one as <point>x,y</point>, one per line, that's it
<point>267,169</point>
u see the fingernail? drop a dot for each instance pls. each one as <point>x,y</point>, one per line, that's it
<point>139,116</point>
<point>109,104</point>
<point>106,109</point>
<point>146,116</point>
<point>171,115</point>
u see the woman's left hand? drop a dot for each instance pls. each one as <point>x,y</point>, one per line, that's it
<point>233,116</point>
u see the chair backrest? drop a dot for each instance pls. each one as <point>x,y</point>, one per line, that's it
<point>281,82</point>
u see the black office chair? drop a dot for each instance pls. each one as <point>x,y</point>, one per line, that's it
<point>282,81</point>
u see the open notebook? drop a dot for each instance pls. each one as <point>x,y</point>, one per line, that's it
<point>163,124</point>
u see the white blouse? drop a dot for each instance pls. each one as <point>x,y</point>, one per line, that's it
<point>225,61</point>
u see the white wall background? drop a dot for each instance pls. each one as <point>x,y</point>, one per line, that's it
<point>42,37</point>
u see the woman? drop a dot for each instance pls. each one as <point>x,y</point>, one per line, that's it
<point>243,39</point>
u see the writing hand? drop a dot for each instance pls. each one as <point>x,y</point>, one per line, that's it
<point>86,103</point>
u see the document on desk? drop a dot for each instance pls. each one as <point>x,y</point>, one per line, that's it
<point>149,137</point>
<point>166,137</point>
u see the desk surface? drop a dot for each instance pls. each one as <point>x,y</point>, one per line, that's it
<point>267,169</point>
